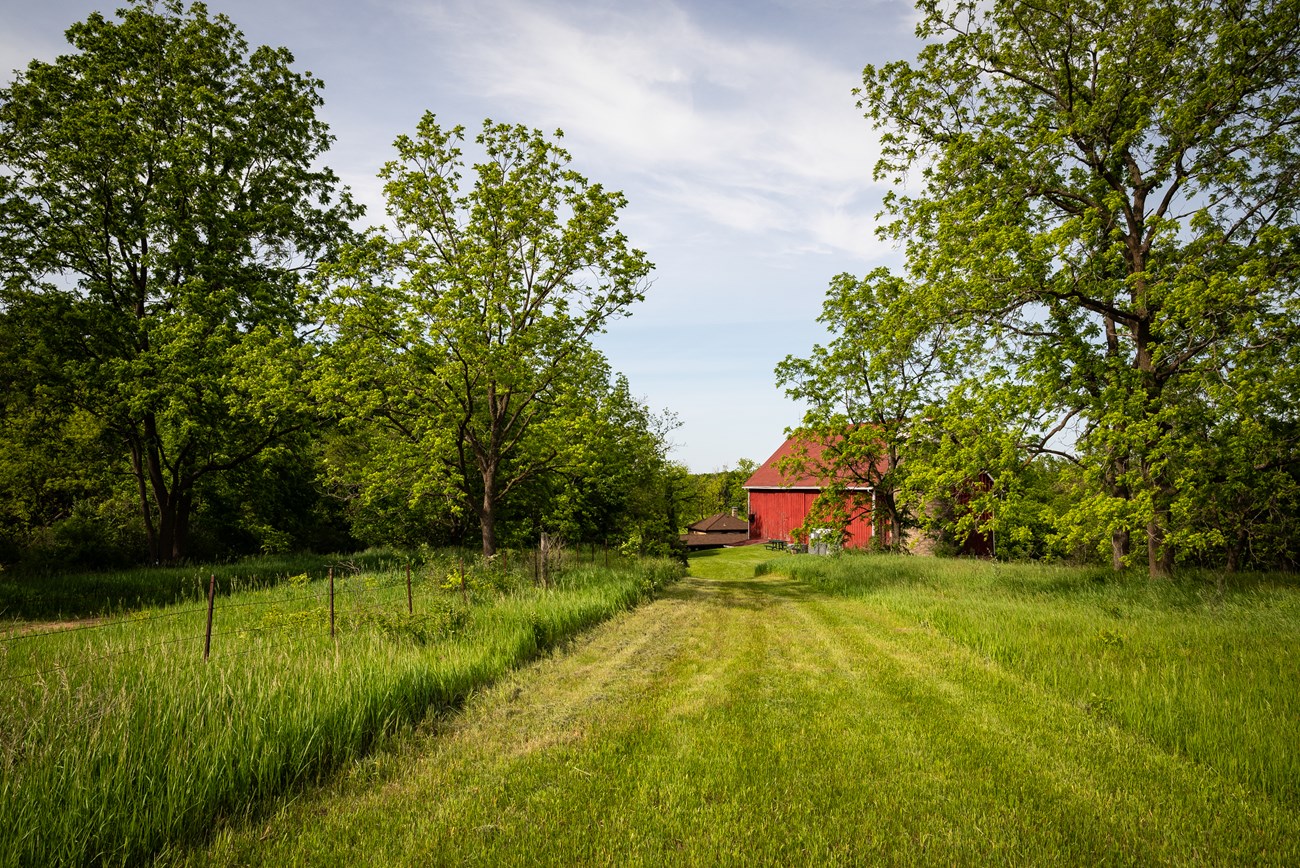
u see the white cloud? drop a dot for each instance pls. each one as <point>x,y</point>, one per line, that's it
<point>750,133</point>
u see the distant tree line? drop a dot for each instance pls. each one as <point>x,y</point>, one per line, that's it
<point>203,358</point>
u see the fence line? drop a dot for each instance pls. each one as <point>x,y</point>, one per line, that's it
<point>351,590</point>
<point>135,619</point>
<point>348,586</point>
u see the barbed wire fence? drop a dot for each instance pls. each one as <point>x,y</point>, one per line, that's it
<point>347,589</point>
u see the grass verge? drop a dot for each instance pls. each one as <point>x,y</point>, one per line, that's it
<point>35,595</point>
<point>766,721</point>
<point>120,740</point>
<point>1203,667</point>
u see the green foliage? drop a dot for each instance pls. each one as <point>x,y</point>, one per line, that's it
<point>463,332</point>
<point>162,201</point>
<point>868,393</point>
<point>1105,223</point>
<point>718,492</point>
<point>620,485</point>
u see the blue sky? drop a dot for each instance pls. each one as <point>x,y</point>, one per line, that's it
<point>730,126</point>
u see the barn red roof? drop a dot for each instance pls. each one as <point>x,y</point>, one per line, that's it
<point>769,475</point>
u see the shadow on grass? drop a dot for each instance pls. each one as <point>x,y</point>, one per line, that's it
<point>752,594</point>
<point>867,574</point>
<point>1188,589</point>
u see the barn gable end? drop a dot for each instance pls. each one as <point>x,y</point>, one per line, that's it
<point>779,503</point>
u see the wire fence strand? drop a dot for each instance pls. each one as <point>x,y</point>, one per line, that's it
<point>358,588</point>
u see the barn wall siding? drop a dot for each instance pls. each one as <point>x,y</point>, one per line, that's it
<point>776,513</point>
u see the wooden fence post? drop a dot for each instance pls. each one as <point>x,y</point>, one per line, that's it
<point>212,596</point>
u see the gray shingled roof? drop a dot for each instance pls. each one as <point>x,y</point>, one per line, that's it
<point>720,523</point>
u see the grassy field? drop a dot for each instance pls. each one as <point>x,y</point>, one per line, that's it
<point>875,710</point>
<point>1204,672</point>
<point>33,595</point>
<point>118,740</point>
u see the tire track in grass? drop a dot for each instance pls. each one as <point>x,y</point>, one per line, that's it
<point>991,730</point>
<point>756,722</point>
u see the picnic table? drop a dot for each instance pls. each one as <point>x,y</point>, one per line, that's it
<point>776,545</point>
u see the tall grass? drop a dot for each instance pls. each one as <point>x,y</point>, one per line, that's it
<point>120,740</point>
<point>27,594</point>
<point>1204,666</point>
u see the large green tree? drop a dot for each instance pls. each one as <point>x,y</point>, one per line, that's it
<point>869,392</point>
<point>161,201</point>
<point>465,329</point>
<point>1106,192</point>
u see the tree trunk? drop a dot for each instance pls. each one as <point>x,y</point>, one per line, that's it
<point>1160,561</point>
<point>173,526</point>
<point>487,515</point>
<point>142,491</point>
<point>184,501</point>
<point>1120,542</point>
<point>879,526</point>
<point>1236,551</point>
<point>167,523</point>
<point>898,527</point>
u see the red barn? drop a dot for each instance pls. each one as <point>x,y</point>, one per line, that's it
<point>778,504</point>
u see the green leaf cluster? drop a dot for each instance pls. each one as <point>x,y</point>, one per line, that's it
<point>161,205</point>
<point>458,338</point>
<point>1097,201</point>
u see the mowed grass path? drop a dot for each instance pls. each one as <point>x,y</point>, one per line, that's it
<point>757,721</point>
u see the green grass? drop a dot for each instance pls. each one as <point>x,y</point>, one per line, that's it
<point>734,563</point>
<point>1204,671</point>
<point>872,711</point>
<point>27,595</point>
<point>119,741</point>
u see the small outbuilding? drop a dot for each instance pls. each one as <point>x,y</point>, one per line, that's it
<point>716,531</point>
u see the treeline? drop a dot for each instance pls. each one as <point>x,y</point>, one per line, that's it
<point>203,357</point>
<point>1092,350</point>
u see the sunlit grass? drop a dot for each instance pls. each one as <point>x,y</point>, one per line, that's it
<point>1204,665</point>
<point>27,595</point>
<point>119,740</point>
<point>739,562</point>
<point>762,721</point>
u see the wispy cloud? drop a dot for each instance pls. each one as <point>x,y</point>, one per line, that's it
<point>750,133</point>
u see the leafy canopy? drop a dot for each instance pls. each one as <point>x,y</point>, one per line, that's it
<point>160,202</point>
<point>465,329</point>
<point>1106,210</point>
